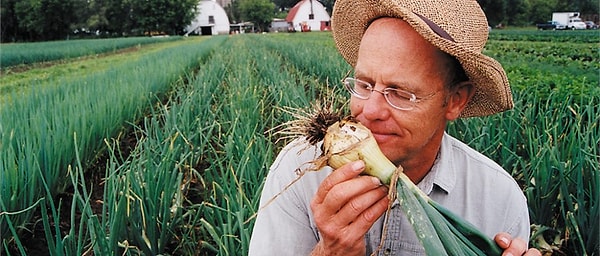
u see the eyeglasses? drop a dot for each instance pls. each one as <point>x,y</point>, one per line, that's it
<point>397,98</point>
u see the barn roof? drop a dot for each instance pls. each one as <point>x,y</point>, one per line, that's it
<point>294,11</point>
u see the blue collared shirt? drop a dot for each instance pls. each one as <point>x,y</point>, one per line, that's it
<point>461,179</point>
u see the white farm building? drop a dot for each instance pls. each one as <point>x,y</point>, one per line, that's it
<point>210,20</point>
<point>309,15</point>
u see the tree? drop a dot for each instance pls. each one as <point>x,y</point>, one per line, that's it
<point>284,4</point>
<point>494,10</point>
<point>135,17</point>
<point>328,4</point>
<point>34,20</point>
<point>95,18</point>
<point>517,12</point>
<point>120,17</point>
<point>261,12</point>
<point>541,10</point>
<point>45,19</point>
<point>9,31</point>
<point>169,16</point>
<point>287,4</point>
<point>180,15</point>
<point>233,11</point>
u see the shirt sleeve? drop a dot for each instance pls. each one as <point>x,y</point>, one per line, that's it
<point>283,224</point>
<point>519,226</point>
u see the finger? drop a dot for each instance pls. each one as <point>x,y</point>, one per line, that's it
<point>362,193</point>
<point>361,225</point>
<point>366,219</point>
<point>346,172</point>
<point>516,247</point>
<point>503,239</point>
<point>352,191</point>
<point>355,195</point>
<point>533,252</point>
<point>350,230</point>
<point>511,246</point>
<point>363,198</point>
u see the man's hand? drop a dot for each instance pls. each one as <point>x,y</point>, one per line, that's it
<point>345,207</point>
<point>514,247</point>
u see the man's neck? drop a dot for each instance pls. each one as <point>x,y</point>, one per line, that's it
<point>418,167</point>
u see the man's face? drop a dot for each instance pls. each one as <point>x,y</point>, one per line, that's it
<point>393,55</point>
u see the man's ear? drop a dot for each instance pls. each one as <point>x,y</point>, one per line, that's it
<point>458,98</point>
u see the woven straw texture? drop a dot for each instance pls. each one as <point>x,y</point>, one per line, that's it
<point>462,20</point>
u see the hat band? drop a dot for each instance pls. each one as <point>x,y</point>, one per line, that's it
<point>439,31</point>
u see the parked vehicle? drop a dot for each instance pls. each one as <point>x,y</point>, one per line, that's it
<point>570,20</point>
<point>550,25</point>
<point>590,25</point>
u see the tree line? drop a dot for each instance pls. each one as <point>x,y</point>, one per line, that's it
<point>530,12</point>
<point>42,20</point>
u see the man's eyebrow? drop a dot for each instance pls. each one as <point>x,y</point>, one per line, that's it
<point>388,84</point>
<point>401,85</point>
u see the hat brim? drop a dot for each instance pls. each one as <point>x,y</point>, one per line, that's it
<point>350,20</point>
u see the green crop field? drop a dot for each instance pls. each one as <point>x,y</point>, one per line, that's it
<point>16,54</point>
<point>164,150</point>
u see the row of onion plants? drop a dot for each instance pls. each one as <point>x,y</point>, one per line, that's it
<point>152,194</point>
<point>13,54</point>
<point>216,136</point>
<point>550,141</point>
<point>39,127</point>
<point>262,84</point>
<point>557,37</point>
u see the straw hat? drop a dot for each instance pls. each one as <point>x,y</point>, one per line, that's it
<point>457,27</point>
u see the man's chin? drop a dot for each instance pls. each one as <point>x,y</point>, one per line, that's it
<point>390,149</point>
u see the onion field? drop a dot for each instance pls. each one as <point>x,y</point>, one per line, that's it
<point>164,149</point>
<point>29,53</point>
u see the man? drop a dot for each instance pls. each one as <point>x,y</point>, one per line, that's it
<point>417,65</point>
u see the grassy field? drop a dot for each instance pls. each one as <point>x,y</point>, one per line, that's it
<point>164,149</point>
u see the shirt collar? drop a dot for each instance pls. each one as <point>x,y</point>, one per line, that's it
<point>442,173</point>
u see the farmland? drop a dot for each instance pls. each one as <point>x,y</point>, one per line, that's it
<point>164,150</point>
<point>29,53</point>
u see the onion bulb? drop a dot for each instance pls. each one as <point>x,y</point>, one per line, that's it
<point>347,141</point>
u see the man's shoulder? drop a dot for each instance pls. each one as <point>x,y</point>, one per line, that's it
<point>295,160</point>
<point>482,191</point>
<point>472,169</point>
<point>295,157</point>
<point>463,153</point>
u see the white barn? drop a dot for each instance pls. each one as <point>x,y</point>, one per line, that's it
<point>210,20</point>
<point>309,15</point>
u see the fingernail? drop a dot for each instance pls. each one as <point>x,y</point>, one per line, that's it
<point>506,241</point>
<point>358,165</point>
<point>508,254</point>
<point>376,181</point>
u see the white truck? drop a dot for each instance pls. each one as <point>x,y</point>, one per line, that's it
<point>568,20</point>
